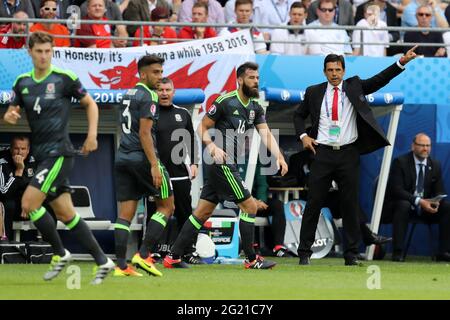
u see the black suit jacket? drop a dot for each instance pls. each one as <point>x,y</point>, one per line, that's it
<point>370,135</point>
<point>403,176</point>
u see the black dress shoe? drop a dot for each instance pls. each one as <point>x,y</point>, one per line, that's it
<point>377,239</point>
<point>443,257</point>
<point>398,257</point>
<point>304,261</point>
<point>353,261</point>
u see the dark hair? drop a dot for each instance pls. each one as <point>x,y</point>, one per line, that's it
<point>167,80</point>
<point>297,4</point>
<point>201,5</point>
<point>148,60</point>
<point>241,2</point>
<point>159,13</point>
<point>334,58</point>
<point>333,2</point>
<point>39,37</point>
<point>44,1</point>
<point>21,137</point>
<point>243,67</point>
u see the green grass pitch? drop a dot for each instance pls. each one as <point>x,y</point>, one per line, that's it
<point>325,279</point>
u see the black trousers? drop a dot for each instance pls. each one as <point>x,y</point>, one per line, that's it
<point>183,209</point>
<point>276,210</point>
<point>343,167</point>
<point>182,199</point>
<point>399,212</point>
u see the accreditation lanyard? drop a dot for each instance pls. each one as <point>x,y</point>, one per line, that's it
<point>8,11</point>
<point>278,11</point>
<point>334,130</point>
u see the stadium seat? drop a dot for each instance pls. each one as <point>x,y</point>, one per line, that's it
<point>81,199</point>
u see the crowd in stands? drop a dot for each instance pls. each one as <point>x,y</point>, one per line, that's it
<point>371,15</point>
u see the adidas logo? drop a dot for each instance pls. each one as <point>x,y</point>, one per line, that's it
<point>236,112</point>
<point>25,91</point>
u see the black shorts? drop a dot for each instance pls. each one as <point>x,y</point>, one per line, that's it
<point>134,181</point>
<point>224,184</point>
<point>52,176</point>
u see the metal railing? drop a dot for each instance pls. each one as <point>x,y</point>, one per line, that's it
<point>142,24</point>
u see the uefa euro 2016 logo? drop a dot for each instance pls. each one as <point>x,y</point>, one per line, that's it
<point>285,95</point>
<point>388,98</point>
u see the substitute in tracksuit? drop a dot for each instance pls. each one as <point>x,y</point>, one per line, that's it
<point>177,149</point>
<point>17,167</point>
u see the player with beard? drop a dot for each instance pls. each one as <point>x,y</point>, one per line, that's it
<point>230,117</point>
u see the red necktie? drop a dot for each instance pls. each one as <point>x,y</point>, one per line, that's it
<point>334,110</point>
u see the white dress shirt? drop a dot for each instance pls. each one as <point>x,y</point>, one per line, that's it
<point>325,37</point>
<point>417,164</point>
<point>298,48</point>
<point>271,12</point>
<point>346,118</point>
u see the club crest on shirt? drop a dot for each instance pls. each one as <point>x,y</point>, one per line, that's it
<point>178,117</point>
<point>50,91</point>
<point>251,116</point>
<point>153,109</point>
<point>212,110</point>
<point>50,88</point>
<point>30,172</point>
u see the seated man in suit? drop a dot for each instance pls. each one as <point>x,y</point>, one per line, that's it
<point>414,179</point>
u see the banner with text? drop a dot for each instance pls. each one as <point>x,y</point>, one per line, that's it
<point>208,64</point>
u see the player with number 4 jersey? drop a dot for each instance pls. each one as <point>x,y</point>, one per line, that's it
<point>45,93</point>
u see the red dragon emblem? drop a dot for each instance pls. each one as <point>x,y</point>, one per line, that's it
<point>118,77</point>
<point>199,79</point>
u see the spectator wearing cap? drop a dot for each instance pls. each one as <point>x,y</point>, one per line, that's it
<point>48,11</point>
<point>159,14</point>
<point>10,42</point>
<point>140,10</point>
<point>199,15</point>
<point>96,11</point>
